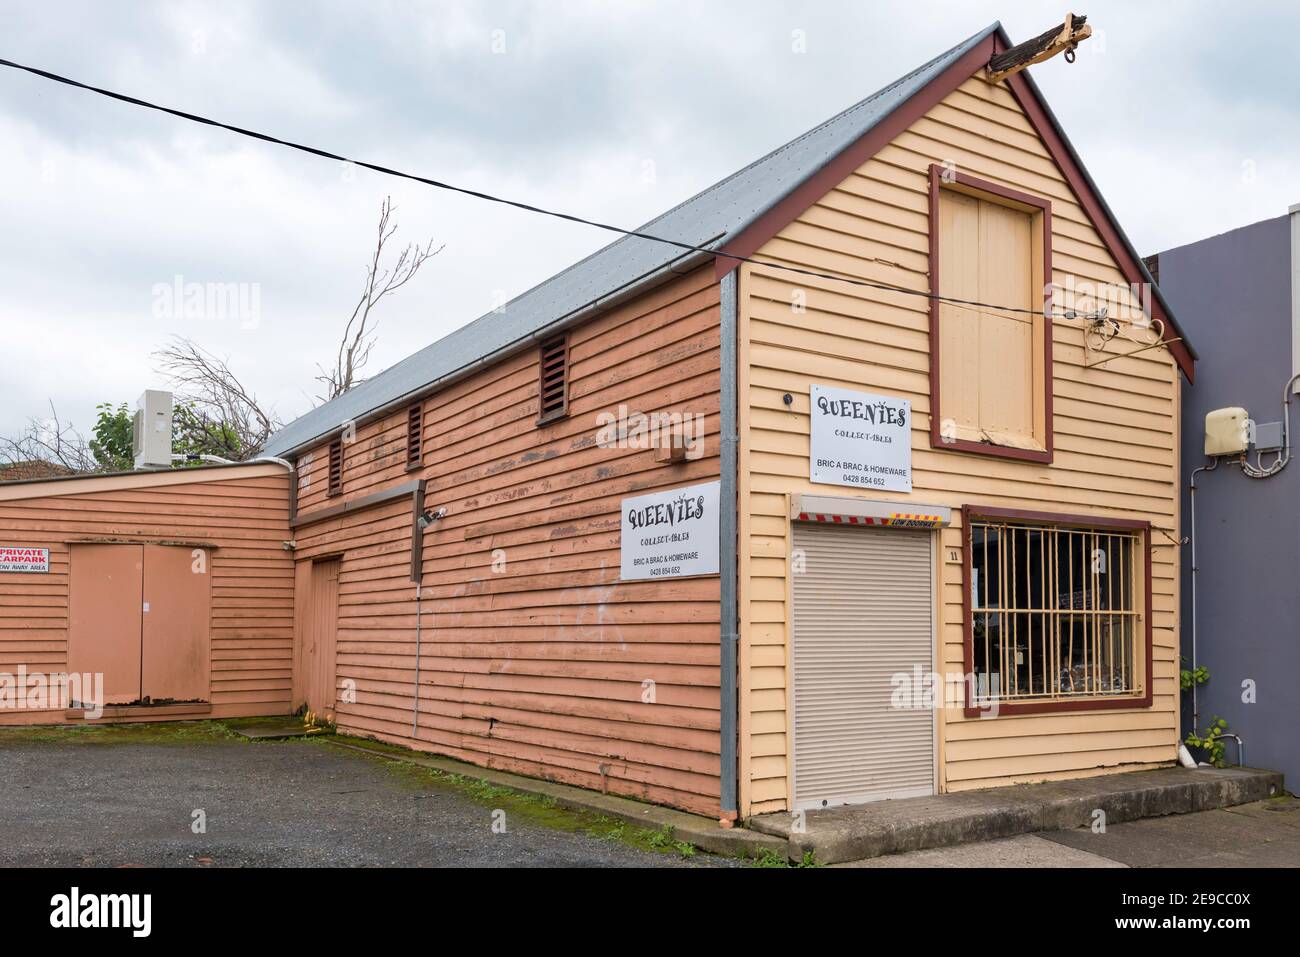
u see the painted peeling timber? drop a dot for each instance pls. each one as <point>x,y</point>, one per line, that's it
<point>534,657</point>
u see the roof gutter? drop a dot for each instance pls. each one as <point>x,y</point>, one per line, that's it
<point>629,290</point>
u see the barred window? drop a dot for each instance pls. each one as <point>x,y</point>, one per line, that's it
<point>1056,611</point>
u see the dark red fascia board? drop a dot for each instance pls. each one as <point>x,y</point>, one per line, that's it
<point>807,193</point>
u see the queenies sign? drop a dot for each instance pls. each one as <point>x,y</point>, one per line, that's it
<point>670,534</point>
<point>860,440</point>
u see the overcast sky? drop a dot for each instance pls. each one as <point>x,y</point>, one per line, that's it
<point>1186,115</point>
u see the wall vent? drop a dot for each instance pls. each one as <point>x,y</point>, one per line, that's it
<point>553,380</point>
<point>336,468</point>
<point>414,435</point>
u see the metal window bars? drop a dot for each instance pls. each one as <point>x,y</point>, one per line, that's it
<point>1054,613</point>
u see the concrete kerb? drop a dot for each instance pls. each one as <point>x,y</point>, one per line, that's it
<point>705,833</point>
<point>837,835</point>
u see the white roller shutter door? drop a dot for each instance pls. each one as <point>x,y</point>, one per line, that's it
<point>863,612</point>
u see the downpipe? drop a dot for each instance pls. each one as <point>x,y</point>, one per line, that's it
<point>727,564</point>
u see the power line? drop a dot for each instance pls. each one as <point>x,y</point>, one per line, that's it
<point>489,197</point>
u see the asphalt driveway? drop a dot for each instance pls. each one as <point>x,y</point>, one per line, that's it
<point>193,796</point>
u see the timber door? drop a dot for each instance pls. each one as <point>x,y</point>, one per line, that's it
<point>139,615</point>
<point>321,636</point>
<point>105,612</point>
<point>863,615</point>
<point>175,649</point>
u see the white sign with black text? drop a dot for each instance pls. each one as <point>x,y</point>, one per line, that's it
<point>860,440</point>
<point>671,534</point>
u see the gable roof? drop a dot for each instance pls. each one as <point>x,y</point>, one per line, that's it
<point>733,216</point>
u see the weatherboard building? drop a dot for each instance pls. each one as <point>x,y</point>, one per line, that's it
<point>911,463</point>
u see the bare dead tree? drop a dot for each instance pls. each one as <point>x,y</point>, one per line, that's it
<point>46,447</point>
<point>381,280</point>
<point>216,414</point>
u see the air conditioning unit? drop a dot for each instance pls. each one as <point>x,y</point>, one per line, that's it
<point>1227,431</point>
<point>151,440</point>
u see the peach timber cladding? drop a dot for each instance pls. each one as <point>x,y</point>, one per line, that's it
<point>238,515</point>
<point>534,656</point>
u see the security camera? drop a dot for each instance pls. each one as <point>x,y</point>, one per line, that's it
<point>429,516</point>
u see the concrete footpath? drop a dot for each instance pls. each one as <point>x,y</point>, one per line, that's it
<point>861,832</point>
<point>1262,834</point>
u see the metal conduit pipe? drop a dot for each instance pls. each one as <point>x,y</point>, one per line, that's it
<point>1191,514</point>
<point>419,614</point>
<point>423,520</point>
<point>1241,748</point>
<point>274,459</point>
<point>727,547</point>
<point>1257,471</point>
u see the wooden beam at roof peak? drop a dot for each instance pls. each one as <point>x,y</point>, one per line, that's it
<point>1062,39</point>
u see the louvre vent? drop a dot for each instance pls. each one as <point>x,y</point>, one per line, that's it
<point>336,468</point>
<point>554,379</point>
<point>414,435</point>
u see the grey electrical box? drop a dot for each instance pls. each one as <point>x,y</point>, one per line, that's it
<point>1268,436</point>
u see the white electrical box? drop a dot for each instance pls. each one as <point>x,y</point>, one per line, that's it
<point>152,432</point>
<point>1227,431</point>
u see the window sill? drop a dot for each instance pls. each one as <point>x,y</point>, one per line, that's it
<point>1009,708</point>
<point>1040,455</point>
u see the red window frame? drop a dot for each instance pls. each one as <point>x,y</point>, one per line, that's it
<point>971,513</point>
<point>939,176</point>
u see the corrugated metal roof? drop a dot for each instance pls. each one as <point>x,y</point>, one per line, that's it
<point>708,219</point>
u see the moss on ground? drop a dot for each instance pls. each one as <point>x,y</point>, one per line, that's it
<point>534,809</point>
<point>174,732</point>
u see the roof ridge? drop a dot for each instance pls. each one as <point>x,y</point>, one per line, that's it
<point>704,220</point>
<point>788,145</point>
